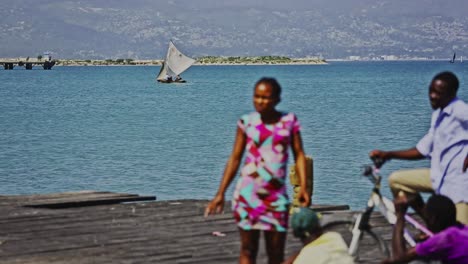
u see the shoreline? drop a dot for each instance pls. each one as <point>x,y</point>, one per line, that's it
<point>160,62</point>
<point>194,65</point>
<point>305,62</point>
<point>259,64</point>
<point>202,61</point>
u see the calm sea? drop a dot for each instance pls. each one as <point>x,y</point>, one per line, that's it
<point>116,129</point>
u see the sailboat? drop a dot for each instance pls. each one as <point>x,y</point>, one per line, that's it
<point>453,58</point>
<point>174,64</point>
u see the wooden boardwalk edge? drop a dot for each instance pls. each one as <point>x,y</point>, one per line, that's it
<point>71,199</point>
<point>104,227</point>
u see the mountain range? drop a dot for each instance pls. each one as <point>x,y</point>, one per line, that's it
<point>141,29</point>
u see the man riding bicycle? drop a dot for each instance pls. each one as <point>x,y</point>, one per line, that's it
<point>446,144</point>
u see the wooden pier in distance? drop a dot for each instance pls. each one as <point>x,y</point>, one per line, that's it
<point>105,227</point>
<point>28,64</point>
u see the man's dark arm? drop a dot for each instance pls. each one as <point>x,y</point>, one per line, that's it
<point>408,154</point>
<point>400,254</point>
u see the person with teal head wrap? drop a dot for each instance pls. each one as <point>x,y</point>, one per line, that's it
<point>320,247</point>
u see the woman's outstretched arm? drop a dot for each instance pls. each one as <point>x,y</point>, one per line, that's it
<point>217,204</point>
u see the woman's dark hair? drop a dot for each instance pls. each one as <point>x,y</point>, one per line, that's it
<point>450,79</point>
<point>273,83</point>
<point>441,212</point>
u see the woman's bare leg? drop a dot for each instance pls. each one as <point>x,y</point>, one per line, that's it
<point>275,243</point>
<point>249,246</point>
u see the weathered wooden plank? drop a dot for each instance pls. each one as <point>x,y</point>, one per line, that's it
<point>88,202</point>
<point>329,207</point>
<point>72,199</point>
<point>29,197</point>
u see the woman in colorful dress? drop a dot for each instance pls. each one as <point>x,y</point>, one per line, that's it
<point>260,199</point>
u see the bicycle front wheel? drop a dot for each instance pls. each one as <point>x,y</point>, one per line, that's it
<point>368,247</point>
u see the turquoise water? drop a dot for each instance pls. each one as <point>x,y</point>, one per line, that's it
<point>115,129</point>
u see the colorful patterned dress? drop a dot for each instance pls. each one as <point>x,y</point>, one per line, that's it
<point>260,198</point>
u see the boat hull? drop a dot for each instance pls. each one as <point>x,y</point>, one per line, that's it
<point>164,81</point>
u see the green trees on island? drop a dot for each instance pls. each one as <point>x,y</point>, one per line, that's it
<point>244,60</point>
<point>255,60</point>
<point>105,62</point>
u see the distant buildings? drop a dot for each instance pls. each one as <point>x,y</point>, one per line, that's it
<point>385,58</point>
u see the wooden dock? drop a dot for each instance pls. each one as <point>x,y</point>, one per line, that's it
<point>104,227</point>
<point>28,64</point>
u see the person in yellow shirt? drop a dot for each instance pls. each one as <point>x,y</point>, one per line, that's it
<point>319,247</point>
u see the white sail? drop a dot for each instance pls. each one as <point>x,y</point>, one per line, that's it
<point>175,63</point>
<point>164,71</point>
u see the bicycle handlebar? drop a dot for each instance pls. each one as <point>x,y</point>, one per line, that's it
<point>367,170</point>
<point>372,171</point>
<point>378,162</point>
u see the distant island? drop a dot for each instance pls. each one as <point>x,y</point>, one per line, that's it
<point>262,60</point>
<point>207,60</point>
